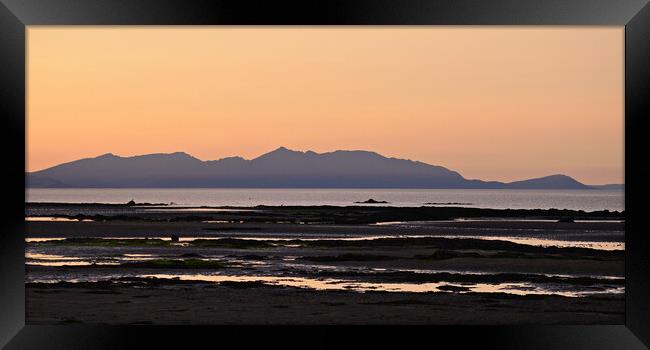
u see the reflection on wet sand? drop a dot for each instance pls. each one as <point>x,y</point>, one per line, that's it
<point>357,286</point>
<point>543,242</point>
<point>54,219</point>
<point>42,239</point>
<point>53,260</point>
<point>532,241</point>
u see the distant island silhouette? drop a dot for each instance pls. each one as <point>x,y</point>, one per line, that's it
<point>281,168</point>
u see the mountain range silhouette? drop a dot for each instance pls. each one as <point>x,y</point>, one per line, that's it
<point>281,168</point>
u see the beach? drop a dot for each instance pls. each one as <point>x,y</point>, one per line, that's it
<point>203,303</point>
<point>159,264</point>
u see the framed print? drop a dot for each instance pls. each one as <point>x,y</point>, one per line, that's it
<point>261,169</point>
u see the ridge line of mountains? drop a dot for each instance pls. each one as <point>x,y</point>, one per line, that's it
<point>281,168</point>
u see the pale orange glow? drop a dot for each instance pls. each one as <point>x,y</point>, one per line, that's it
<point>495,103</point>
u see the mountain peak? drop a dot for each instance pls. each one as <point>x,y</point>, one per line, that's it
<point>173,155</point>
<point>550,181</point>
<point>557,176</point>
<point>181,155</point>
<point>107,156</point>
<point>284,150</point>
<point>279,152</point>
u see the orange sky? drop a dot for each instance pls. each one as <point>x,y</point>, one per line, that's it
<point>495,103</point>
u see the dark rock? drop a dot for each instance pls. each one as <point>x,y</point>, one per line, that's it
<point>175,238</point>
<point>243,284</point>
<point>450,288</point>
<point>371,201</point>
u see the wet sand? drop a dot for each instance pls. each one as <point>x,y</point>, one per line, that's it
<point>605,231</point>
<point>449,261</point>
<point>195,303</point>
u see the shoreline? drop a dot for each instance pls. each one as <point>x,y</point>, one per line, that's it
<point>319,265</point>
<point>597,232</point>
<point>306,215</point>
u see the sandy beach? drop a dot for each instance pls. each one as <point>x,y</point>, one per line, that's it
<point>196,303</point>
<point>243,270</point>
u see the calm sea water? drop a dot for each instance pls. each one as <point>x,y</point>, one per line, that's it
<point>588,200</point>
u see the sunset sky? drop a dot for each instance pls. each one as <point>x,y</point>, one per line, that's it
<point>495,103</point>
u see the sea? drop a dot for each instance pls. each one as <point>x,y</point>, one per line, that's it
<point>587,200</point>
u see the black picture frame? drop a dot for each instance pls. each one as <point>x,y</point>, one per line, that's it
<point>15,15</point>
